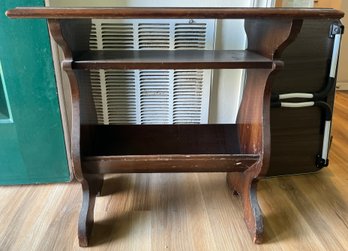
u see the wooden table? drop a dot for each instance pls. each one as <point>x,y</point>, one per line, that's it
<point>242,149</point>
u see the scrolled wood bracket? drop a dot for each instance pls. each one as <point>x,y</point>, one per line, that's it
<point>270,39</point>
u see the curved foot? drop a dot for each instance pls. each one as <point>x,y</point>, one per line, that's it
<point>86,214</point>
<point>245,186</point>
<point>91,187</point>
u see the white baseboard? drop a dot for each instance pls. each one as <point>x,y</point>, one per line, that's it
<point>342,86</point>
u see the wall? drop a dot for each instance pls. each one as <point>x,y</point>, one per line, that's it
<point>336,4</point>
<point>294,3</point>
<point>342,81</point>
<point>226,89</point>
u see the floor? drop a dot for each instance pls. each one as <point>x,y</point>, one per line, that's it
<point>187,211</point>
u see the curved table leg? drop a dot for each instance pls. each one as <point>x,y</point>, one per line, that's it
<point>91,187</point>
<point>246,186</point>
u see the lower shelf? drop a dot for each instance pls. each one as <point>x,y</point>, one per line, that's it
<point>162,148</point>
<point>169,163</point>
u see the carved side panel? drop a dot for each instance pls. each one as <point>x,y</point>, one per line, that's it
<point>269,38</point>
<point>69,34</point>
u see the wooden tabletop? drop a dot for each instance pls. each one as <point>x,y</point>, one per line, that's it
<point>156,12</point>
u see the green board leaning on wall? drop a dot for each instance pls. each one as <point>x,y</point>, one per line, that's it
<point>32,148</point>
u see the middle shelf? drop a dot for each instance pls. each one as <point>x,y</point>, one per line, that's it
<point>170,59</point>
<point>163,148</point>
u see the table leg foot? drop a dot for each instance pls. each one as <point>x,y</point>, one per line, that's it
<point>87,213</point>
<point>246,187</point>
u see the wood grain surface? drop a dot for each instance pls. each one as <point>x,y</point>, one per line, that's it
<point>297,134</point>
<point>160,12</point>
<point>179,59</point>
<point>187,211</point>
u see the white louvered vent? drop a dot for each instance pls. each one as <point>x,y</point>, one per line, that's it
<point>152,96</point>
<point>121,97</point>
<point>155,36</point>
<point>190,36</point>
<point>188,92</point>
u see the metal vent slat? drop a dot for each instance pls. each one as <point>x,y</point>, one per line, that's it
<point>97,94</point>
<point>154,36</point>
<point>117,36</point>
<point>190,36</point>
<point>188,89</point>
<point>121,96</point>
<point>154,97</point>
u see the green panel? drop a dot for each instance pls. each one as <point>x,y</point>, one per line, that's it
<point>32,148</point>
<point>4,106</point>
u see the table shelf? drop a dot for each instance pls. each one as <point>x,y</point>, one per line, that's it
<point>141,148</point>
<point>169,163</point>
<point>164,59</point>
<point>109,140</point>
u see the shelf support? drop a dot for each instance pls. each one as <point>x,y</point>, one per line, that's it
<point>267,38</point>
<point>91,185</point>
<point>245,185</point>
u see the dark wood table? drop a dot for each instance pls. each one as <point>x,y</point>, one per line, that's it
<point>242,149</point>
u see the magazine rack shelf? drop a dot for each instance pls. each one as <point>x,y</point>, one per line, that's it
<point>242,149</point>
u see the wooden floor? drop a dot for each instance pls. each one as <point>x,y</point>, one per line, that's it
<point>187,211</point>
